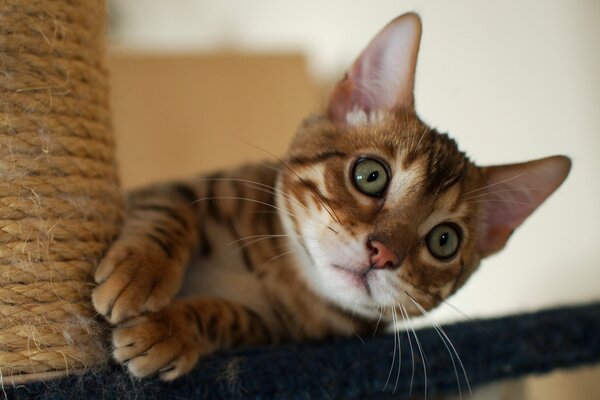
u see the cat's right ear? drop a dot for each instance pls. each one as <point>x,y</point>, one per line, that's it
<point>383,76</point>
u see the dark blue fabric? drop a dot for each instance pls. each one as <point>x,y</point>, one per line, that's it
<point>490,349</point>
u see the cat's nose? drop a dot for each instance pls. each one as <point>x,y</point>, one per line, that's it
<point>381,256</point>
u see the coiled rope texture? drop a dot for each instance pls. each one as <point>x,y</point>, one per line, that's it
<point>60,202</point>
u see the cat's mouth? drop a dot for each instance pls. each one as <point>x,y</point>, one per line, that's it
<point>357,278</point>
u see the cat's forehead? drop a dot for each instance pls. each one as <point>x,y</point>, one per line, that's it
<point>409,146</point>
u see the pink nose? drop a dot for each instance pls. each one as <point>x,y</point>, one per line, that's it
<point>382,257</point>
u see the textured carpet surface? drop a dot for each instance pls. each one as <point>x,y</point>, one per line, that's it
<point>490,349</point>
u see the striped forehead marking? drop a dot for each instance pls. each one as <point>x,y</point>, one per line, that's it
<point>407,181</point>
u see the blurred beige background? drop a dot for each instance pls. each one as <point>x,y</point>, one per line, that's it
<point>195,81</point>
<point>177,115</point>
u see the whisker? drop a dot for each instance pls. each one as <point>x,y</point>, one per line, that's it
<point>412,351</point>
<point>333,216</point>
<point>246,199</point>
<point>303,220</point>
<point>397,331</point>
<point>498,201</point>
<point>254,237</point>
<point>261,187</point>
<point>276,257</point>
<point>447,343</point>
<point>496,183</point>
<point>425,130</point>
<point>458,310</point>
<point>250,243</point>
<point>353,308</point>
<point>393,353</point>
<point>418,342</point>
<point>434,325</point>
<point>358,336</point>
<point>271,190</point>
<point>504,191</point>
<point>378,320</point>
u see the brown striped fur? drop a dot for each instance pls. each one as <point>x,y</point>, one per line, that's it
<point>283,251</point>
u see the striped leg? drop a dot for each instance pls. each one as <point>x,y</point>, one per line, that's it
<point>144,268</point>
<point>170,342</point>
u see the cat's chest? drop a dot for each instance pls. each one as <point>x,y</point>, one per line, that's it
<point>225,272</point>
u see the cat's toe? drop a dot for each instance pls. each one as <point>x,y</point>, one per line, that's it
<point>133,282</point>
<point>178,367</point>
<point>121,296</point>
<point>133,339</point>
<point>105,296</point>
<point>167,359</point>
<point>161,343</point>
<point>114,257</point>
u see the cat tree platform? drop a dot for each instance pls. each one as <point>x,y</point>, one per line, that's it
<point>490,349</point>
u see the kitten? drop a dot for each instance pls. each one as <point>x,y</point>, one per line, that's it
<point>371,214</point>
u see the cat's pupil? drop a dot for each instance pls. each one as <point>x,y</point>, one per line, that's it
<point>444,239</point>
<point>373,176</point>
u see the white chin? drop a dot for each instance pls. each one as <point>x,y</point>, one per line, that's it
<point>348,290</point>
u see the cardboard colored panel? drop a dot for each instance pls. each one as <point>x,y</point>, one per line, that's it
<point>177,115</point>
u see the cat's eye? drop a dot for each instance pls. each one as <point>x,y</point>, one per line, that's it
<point>370,177</point>
<point>443,241</point>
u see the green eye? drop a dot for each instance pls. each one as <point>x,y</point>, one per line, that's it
<point>370,177</point>
<point>443,241</point>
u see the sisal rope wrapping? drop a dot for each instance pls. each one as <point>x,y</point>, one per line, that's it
<point>60,202</point>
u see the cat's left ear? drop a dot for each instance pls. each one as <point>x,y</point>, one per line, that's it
<point>383,76</point>
<point>510,193</point>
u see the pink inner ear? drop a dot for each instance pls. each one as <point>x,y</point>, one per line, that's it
<point>511,193</point>
<point>382,78</point>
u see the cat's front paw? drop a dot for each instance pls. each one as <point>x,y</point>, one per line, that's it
<point>135,277</point>
<point>167,343</point>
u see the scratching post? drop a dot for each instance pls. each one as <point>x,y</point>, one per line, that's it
<point>60,203</point>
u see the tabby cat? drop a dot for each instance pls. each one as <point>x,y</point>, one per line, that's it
<point>370,214</point>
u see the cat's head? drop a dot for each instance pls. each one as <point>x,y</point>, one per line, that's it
<point>389,211</point>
